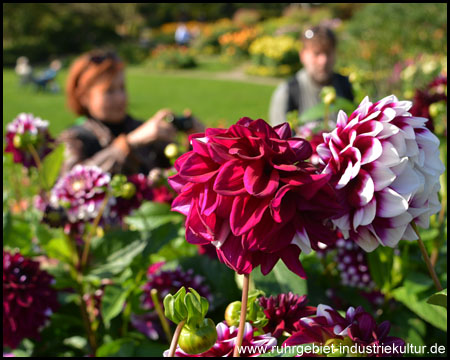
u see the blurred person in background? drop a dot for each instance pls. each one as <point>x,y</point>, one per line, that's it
<point>106,135</point>
<point>302,91</point>
<point>23,69</point>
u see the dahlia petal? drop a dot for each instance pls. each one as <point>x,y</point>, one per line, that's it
<point>369,147</point>
<point>200,147</point>
<point>246,212</point>
<point>301,239</point>
<point>390,203</point>
<point>410,234</point>
<point>389,156</point>
<point>229,179</point>
<point>182,204</point>
<point>257,183</point>
<point>283,130</point>
<point>301,148</point>
<point>361,190</point>
<point>407,183</point>
<point>365,215</point>
<point>365,239</point>
<point>290,256</point>
<point>219,153</point>
<point>342,119</point>
<point>381,176</point>
<point>198,169</point>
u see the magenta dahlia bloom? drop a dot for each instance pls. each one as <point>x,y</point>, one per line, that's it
<point>81,192</point>
<point>358,327</point>
<point>170,281</point>
<point>249,191</point>
<point>28,299</point>
<point>386,165</point>
<point>284,311</point>
<point>28,130</point>
<point>226,341</point>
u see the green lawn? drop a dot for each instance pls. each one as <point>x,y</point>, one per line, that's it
<point>213,101</point>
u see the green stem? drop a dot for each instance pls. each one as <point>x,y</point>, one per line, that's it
<point>159,311</point>
<point>174,343</point>
<point>244,301</point>
<point>91,233</point>
<point>325,117</point>
<point>427,259</point>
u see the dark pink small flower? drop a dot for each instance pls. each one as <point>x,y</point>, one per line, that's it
<point>28,299</point>
<point>170,281</point>
<point>249,191</point>
<point>284,311</point>
<point>226,341</point>
<point>28,130</point>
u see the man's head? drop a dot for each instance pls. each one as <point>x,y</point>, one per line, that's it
<point>318,53</point>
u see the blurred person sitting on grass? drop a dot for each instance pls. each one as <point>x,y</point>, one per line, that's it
<point>302,91</point>
<point>105,134</point>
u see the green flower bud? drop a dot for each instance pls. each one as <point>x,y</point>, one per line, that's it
<point>198,338</point>
<point>128,190</point>
<point>17,141</point>
<point>171,151</point>
<point>232,313</point>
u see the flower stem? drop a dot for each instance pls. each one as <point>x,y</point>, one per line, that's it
<point>159,311</point>
<point>427,259</point>
<point>325,117</point>
<point>244,301</point>
<point>91,233</point>
<point>174,343</point>
<point>87,324</point>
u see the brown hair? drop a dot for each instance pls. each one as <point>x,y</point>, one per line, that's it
<point>320,35</point>
<point>85,71</point>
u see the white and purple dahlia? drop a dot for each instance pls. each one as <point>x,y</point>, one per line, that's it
<point>385,164</point>
<point>81,192</point>
<point>25,131</point>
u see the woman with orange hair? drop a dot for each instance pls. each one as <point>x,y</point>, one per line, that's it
<point>108,137</point>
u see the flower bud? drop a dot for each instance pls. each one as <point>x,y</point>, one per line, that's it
<point>128,190</point>
<point>328,94</point>
<point>232,313</point>
<point>17,141</point>
<point>171,151</point>
<point>198,339</point>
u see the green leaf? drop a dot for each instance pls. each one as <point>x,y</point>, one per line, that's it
<point>59,249</point>
<point>436,316</point>
<point>51,166</point>
<point>152,215</point>
<point>117,348</point>
<point>119,260</point>
<point>380,265</point>
<point>439,299</point>
<point>77,342</point>
<point>279,280</point>
<point>112,302</point>
<point>17,233</point>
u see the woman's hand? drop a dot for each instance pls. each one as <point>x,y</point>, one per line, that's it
<point>155,128</point>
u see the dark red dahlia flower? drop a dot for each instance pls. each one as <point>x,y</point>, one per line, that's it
<point>284,311</point>
<point>28,299</point>
<point>358,327</point>
<point>249,191</point>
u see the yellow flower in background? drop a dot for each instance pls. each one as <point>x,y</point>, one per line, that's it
<point>274,47</point>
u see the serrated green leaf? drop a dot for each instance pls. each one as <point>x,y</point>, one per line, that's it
<point>439,299</point>
<point>51,166</point>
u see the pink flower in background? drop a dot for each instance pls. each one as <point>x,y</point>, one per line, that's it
<point>81,192</point>
<point>385,164</point>
<point>226,341</point>
<point>249,191</point>
<point>283,311</point>
<point>28,130</point>
<point>357,328</point>
<point>28,299</point>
